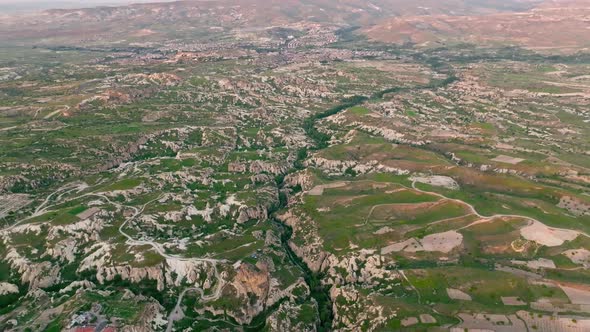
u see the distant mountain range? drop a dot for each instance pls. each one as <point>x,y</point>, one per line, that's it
<point>421,22</point>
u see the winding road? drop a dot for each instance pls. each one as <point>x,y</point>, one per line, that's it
<point>484,219</point>
<point>176,313</point>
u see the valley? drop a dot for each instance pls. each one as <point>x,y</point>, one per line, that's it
<point>304,165</point>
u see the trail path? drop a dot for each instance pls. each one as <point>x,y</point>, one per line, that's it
<point>411,285</point>
<point>484,219</point>
<point>176,313</point>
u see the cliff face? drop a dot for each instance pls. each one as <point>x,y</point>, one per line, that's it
<point>252,284</point>
<point>255,286</point>
<point>150,319</point>
<point>301,178</point>
<point>258,166</point>
<point>8,181</point>
<point>339,167</point>
<point>288,318</point>
<point>171,272</point>
<point>360,266</point>
<point>8,288</point>
<point>305,241</point>
<point>354,311</point>
<point>248,213</point>
<point>37,275</point>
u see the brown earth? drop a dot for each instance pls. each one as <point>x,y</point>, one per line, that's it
<point>553,24</point>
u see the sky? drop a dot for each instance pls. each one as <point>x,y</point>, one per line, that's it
<point>77,2</point>
<point>7,6</point>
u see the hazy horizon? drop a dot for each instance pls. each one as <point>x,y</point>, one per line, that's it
<point>8,6</point>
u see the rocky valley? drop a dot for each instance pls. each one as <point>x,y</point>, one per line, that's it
<point>329,165</point>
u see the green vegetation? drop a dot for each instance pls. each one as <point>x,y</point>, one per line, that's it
<point>321,139</point>
<point>194,146</point>
<point>123,185</point>
<point>357,110</point>
<point>319,292</point>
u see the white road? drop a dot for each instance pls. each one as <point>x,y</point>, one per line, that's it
<point>484,219</point>
<point>176,313</point>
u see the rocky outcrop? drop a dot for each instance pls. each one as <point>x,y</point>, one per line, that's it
<point>249,213</point>
<point>287,318</point>
<point>80,284</point>
<point>364,266</point>
<point>339,167</point>
<point>259,166</point>
<point>133,274</point>
<point>165,79</point>
<point>123,154</point>
<point>305,242</point>
<point>261,178</point>
<point>389,134</point>
<point>150,318</point>
<point>85,230</point>
<point>236,167</point>
<point>301,178</point>
<point>8,181</point>
<point>37,275</point>
<point>64,250</point>
<point>8,288</point>
<point>173,271</point>
<point>575,205</point>
<point>354,311</point>
<point>178,271</point>
<point>253,284</point>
